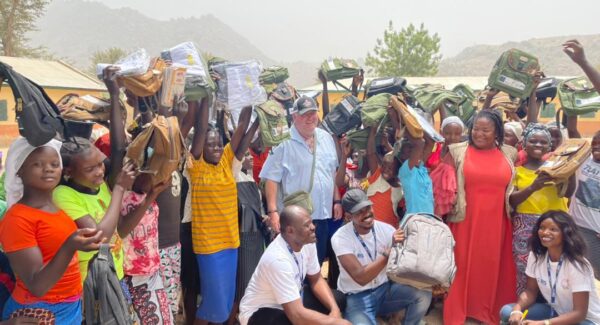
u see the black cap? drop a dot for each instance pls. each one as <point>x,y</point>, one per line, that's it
<point>304,104</point>
<point>354,200</point>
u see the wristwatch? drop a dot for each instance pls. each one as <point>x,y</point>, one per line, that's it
<point>337,201</point>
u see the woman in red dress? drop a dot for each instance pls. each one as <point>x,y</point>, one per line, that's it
<point>485,278</point>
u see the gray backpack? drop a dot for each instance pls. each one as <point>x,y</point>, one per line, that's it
<point>426,257</point>
<point>103,298</point>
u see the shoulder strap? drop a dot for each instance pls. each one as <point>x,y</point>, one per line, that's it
<point>312,172</point>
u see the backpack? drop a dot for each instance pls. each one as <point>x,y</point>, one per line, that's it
<point>464,91</point>
<point>273,75</point>
<point>566,159</point>
<point>430,96</point>
<point>578,96</point>
<point>148,83</point>
<point>38,117</point>
<point>513,73</point>
<point>426,257</point>
<point>159,149</point>
<point>273,125</point>
<point>547,88</point>
<point>103,298</point>
<point>345,116</point>
<point>337,68</point>
<point>391,85</point>
<point>374,109</point>
<point>408,117</point>
<point>86,108</point>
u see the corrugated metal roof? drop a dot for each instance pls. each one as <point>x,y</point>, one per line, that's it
<point>53,74</point>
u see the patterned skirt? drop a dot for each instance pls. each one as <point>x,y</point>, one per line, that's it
<point>522,227</point>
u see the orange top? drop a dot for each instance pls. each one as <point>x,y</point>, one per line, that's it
<point>26,227</point>
<point>383,207</point>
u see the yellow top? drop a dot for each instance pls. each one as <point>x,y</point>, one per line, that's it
<point>214,205</point>
<point>540,201</point>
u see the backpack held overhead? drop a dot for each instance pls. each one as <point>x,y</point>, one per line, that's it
<point>336,68</point>
<point>148,83</point>
<point>513,73</point>
<point>426,257</point>
<point>38,117</point>
<point>391,85</point>
<point>273,75</point>
<point>103,298</point>
<point>273,125</point>
<point>86,108</point>
<point>344,117</point>
<point>578,96</point>
<point>374,109</point>
<point>159,149</point>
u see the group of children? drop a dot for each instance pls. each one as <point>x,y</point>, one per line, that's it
<point>201,232</point>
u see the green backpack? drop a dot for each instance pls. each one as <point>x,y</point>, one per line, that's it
<point>431,96</point>
<point>464,110</point>
<point>273,126</point>
<point>273,75</point>
<point>464,91</point>
<point>374,109</point>
<point>358,138</point>
<point>336,68</point>
<point>578,96</point>
<point>513,73</point>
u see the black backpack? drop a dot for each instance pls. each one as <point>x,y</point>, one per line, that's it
<point>344,117</point>
<point>389,85</point>
<point>38,117</point>
<point>103,298</point>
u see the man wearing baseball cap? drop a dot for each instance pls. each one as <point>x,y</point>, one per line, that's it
<point>362,247</point>
<point>305,162</point>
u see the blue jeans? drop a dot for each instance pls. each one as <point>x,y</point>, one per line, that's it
<point>322,234</point>
<point>388,298</point>
<point>537,311</point>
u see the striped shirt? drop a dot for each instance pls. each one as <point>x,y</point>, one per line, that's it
<point>214,205</point>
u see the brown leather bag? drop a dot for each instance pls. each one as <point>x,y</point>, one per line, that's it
<point>146,84</point>
<point>566,159</point>
<point>86,108</point>
<point>159,149</point>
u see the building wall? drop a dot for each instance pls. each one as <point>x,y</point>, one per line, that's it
<point>8,124</point>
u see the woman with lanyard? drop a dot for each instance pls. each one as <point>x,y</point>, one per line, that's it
<point>534,194</point>
<point>557,269</point>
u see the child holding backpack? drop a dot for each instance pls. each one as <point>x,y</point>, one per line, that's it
<point>40,240</point>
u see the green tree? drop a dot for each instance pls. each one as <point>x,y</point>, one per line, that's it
<point>410,52</point>
<point>110,55</point>
<point>17,18</point>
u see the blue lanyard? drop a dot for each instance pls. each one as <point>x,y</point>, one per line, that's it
<point>362,242</point>
<point>553,286</point>
<point>300,275</point>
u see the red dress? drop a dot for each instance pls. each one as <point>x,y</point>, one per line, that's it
<point>486,276</point>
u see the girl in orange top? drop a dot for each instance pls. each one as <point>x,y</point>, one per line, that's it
<point>40,240</point>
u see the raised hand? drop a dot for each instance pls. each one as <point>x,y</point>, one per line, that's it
<point>575,51</point>
<point>109,75</point>
<point>127,175</point>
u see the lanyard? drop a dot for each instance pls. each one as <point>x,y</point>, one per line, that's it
<point>362,242</point>
<point>298,264</point>
<point>553,286</point>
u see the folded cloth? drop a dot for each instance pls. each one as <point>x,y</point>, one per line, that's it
<point>443,179</point>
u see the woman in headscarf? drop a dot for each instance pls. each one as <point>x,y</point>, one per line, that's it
<point>452,130</point>
<point>534,194</point>
<point>40,240</point>
<point>513,134</point>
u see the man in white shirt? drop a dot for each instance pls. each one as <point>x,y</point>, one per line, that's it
<point>275,292</point>
<point>362,247</point>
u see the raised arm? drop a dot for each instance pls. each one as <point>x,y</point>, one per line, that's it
<point>340,175</point>
<point>575,51</point>
<point>533,107</point>
<point>240,140</point>
<point>129,221</point>
<point>201,125</point>
<point>118,142</point>
<point>324,94</point>
<point>572,127</point>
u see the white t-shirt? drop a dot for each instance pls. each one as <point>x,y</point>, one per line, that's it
<point>276,280</point>
<point>570,279</point>
<point>345,242</point>
<point>585,203</point>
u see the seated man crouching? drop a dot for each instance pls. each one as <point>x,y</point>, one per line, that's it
<point>275,293</point>
<point>362,247</point>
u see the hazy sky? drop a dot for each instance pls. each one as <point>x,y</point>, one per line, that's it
<point>311,30</point>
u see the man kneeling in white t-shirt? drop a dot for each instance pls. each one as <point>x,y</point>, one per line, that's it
<point>362,248</point>
<point>275,292</point>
